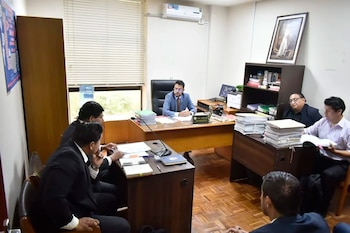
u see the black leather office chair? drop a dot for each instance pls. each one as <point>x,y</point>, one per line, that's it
<point>159,88</point>
<point>280,109</point>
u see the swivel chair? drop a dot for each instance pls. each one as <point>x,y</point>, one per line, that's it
<point>159,88</point>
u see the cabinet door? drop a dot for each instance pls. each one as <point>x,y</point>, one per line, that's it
<point>41,54</point>
<point>163,201</point>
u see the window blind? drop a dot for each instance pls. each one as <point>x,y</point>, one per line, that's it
<point>104,42</point>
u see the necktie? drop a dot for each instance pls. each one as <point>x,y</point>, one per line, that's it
<point>178,104</point>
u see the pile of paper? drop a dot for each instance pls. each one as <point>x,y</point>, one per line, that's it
<point>283,133</point>
<point>146,117</point>
<point>250,123</point>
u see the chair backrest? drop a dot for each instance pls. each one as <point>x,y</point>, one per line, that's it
<point>25,202</point>
<point>35,164</point>
<point>159,88</point>
<point>280,109</point>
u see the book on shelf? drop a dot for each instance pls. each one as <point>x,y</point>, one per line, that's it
<point>138,170</point>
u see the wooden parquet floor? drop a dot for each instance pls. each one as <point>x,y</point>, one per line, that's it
<point>219,204</point>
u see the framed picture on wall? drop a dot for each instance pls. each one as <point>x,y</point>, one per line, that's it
<point>286,38</point>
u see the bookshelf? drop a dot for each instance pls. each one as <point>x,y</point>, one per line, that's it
<point>282,80</point>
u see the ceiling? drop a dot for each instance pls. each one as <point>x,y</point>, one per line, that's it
<point>221,2</point>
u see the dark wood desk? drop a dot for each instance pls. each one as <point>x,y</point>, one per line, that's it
<point>164,199</point>
<point>250,151</point>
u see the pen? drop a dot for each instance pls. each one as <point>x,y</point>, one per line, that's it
<point>159,168</point>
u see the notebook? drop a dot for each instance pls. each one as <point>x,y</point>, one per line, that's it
<point>173,159</point>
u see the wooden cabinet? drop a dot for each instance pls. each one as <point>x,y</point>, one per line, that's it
<point>288,77</point>
<point>41,55</point>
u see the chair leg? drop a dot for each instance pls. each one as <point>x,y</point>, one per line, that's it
<point>343,193</point>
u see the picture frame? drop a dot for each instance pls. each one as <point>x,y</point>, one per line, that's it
<point>286,38</point>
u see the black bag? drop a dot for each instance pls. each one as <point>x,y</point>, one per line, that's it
<point>311,193</point>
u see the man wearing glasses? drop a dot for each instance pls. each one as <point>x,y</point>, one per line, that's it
<point>299,111</point>
<point>178,103</point>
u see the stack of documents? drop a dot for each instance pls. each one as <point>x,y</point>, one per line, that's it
<point>250,123</point>
<point>283,133</point>
<point>146,117</point>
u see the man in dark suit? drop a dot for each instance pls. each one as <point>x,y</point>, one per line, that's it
<point>65,199</point>
<point>299,111</point>
<point>111,178</point>
<point>280,201</point>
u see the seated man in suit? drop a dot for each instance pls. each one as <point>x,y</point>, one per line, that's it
<point>178,103</point>
<point>341,227</point>
<point>299,111</point>
<point>65,199</point>
<point>110,174</point>
<point>332,162</point>
<point>280,201</point>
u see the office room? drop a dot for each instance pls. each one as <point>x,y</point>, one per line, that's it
<point>204,56</point>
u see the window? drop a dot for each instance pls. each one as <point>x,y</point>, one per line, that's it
<point>104,47</point>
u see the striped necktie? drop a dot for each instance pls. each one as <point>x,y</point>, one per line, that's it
<point>178,104</point>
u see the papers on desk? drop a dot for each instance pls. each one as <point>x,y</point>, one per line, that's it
<point>250,123</point>
<point>179,118</point>
<point>164,120</point>
<point>138,170</point>
<point>135,147</point>
<point>131,161</point>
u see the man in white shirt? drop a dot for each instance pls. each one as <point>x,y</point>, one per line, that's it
<point>333,161</point>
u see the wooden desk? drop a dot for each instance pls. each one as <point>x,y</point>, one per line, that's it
<point>185,136</point>
<point>164,199</point>
<point>203,105</point>
<point>249,151</point>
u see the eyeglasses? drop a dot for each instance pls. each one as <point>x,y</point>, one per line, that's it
<point>178,89</point>
<point>294,100</point>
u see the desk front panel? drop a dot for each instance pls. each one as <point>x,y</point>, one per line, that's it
<point>254,155</point>
<point>185,136</point>
<point>162,200</point>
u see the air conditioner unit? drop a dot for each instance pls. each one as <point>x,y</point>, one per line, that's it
<point>175,11</point>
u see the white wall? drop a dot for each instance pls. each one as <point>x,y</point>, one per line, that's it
<point>13,144</point>
<point>324,49</point>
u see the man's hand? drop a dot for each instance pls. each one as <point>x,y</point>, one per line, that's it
<point>184,113</point>
<point>236,229</point>
<point>116,155</point>
<point>87,224</point>
<point>110,147</point>
<point>97,159</point>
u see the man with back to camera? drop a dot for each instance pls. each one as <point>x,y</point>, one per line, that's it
<point>299,111</point>
<point>110,174</point>
<point>280,201</point>
<point>332,162</point>
<point>178,103</point>
<point>65,199</point>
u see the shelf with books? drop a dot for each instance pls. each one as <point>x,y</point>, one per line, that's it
<point>270,84</point>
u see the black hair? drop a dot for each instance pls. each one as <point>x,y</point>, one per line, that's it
<point>335,103</point>
<point>180,82</point>
<point>90,108</point>
<point>283,190</point>
<point>87,132</point>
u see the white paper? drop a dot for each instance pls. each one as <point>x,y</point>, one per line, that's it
<point>316,141</point>
<point>179,118</point>
<point>164,120</point>
<point>134,147</point>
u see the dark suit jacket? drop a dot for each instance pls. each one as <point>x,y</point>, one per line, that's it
<point>68,134</point>
<point>308,115</point>
<point>306,223</point>
<point>65,189</point>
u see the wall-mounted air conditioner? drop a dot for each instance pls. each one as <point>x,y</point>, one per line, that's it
<point>175,11</point>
